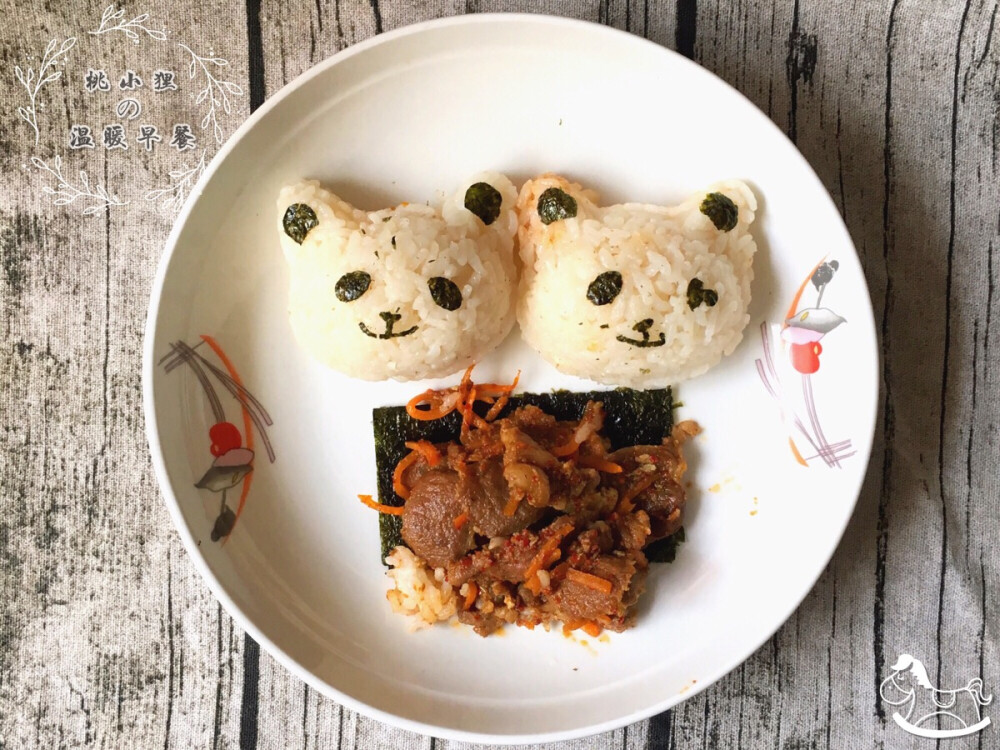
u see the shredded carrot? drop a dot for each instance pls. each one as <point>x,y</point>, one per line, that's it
<point>389,509</point>
<point>559,571</point>
<point>426,449</point>
<point>439,404</point>
<point>534,585</point>
<point>432,404</point>
<point>540,560</point>
<point>495,410</point>
<point>496,389</point>
<point>569,627</point>
<point>601,464</point>
<point>592,629</point>
<point>590,581</point>
<point>625,504</point>
<point>511,507</point>
<point>470,597</point>
<point>460,520</point>
<point>397,476</point>
<point>566,449</point>
<point>467,412</point>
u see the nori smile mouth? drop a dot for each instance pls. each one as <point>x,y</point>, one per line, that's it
<point>390,320</point>
<point>643,327</point>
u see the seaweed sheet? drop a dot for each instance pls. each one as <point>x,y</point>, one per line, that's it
<point>632,417</point>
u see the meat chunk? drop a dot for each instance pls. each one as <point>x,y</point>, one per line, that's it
<point>528,482</point>
<point>574,602</point>
<point>436,500</point>
<point>489,494</point>
<point>632,530</point>
<point>648,478</point>
<point>510,560</point>
<point>520,448</point>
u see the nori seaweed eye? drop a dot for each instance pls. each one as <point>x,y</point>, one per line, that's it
<point>351,286</point>
<point>697,294</point>
<point>604,289</point>
<point>484,201</point>
<point>721,210</point>
<point>445,293</point>
<point>299,219</point>
<point>555,204</point>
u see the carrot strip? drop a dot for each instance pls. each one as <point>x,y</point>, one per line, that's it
<point>496,389</point>
<point>460,520</point>
<point>625,504</point>
<point>539,560</point>
<point>439,404</point>
<point>388,509</point>
<point>470,597</point>
<point>511,507</point>
<point>592,629</point>
<point>497,407</point>
<point>397,476</point>
<point>467,407</point>
<point>559,571</point>
<point>534,585</point>
<point>601,464</point>
<point>590,581</point>
<point>566,449</point>
<point>426,449</point>
<point>432,404</point>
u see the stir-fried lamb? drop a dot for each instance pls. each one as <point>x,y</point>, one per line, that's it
<point>532,520</point>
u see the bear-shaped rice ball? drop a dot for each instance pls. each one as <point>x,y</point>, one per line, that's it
<point>406,293</point>
<point>634,295</point>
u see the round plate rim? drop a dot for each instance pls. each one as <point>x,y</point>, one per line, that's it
<point>159,463</point>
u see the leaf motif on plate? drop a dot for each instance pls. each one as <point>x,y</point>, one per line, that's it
<point>219,478</point>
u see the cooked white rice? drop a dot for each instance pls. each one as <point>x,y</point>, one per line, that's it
<point>419,591</point>
<point>400,249</point>
<point>658,251</point>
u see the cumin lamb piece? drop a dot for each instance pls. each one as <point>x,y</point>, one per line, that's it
<point>651,478</point>
<point>489,495</point>
<point>435,501</point>
<point>535,522</point>
<point>574,602</point>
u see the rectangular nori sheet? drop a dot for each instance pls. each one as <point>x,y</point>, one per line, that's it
<point>632,417</point>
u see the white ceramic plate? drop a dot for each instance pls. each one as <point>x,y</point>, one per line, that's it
<point>402,117</point>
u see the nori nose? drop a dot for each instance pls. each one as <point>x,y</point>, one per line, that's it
<point>643,325</point>
<point>389,317</point>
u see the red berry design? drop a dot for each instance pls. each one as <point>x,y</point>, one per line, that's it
<point>224,436</point>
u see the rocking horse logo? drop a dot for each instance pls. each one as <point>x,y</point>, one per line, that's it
<point>954,712</point>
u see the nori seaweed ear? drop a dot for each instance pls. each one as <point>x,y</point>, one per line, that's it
<point>485,201</point>
<point>555,204</point>
<point>298,221</point>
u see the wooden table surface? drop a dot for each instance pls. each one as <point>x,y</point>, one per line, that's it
<point>109,638</point>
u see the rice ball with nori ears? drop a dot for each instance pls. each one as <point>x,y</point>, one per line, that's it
<point>634,295</point>
<point>406,293</point>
